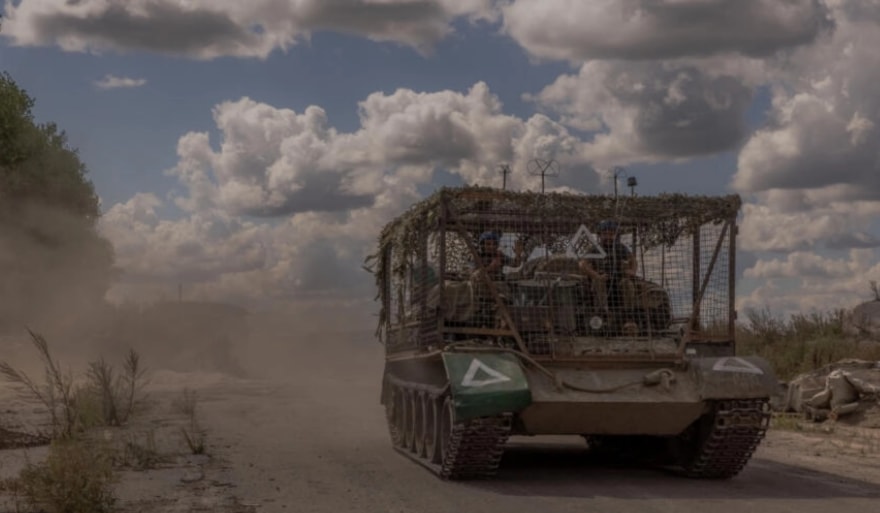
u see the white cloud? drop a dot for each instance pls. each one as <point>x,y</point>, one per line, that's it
<point>656,81</point>
<point>325,194</point>
<point>798,221</point>
<point>650,111</point>
<point>114,82</point>
<point>207,29</point>
<point>804,282</point>
<point>641,30</point>
<point>814,170</point>
<point>275,161</point>
<point>803,264</point>
<point>823,135</point>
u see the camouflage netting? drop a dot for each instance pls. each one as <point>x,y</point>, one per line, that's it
<point>661,221</point>
<point>669,215</point>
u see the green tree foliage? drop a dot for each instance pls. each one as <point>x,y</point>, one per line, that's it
<point>35,160</point>
<point>51,256</point>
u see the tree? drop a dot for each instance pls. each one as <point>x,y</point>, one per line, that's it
<point>51,255</point>
<point>35,160</point>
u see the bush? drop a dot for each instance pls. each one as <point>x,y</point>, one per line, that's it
<point>106,399</point>
<point>75,478</point>
<point>801,343</point>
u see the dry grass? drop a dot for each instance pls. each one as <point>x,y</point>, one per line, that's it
<point>786,422</point>
<point>57,393</point>
<point>105,399</point>
<point>140,452</point>
<point>76,477</point>
<point>193,434</point>
<point>118,393</point>
<point>801,343</point>
<point>78,472</point>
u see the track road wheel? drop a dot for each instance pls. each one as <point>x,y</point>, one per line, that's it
<point>418,423</point>
<point>431,418</point>
<point>407,418</point>
<point>446,421</point>
<point>392,413</point>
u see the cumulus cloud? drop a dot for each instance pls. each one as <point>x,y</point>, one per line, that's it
<point>783,222</point>
<point>216,256</point>
<point>812,173</point>
<point>650,111</point>
<point>800,264</point>
<point>656,81</point>
<point>274,161</point>
<point>823,135</point>
<point>805,281</point>
<point>641,29</point>
<point>114,82</point>
<point>324,194</point>
<point>206,29</point>
<point>668,80</point>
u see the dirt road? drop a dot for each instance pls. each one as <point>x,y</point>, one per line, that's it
<point>311,437</point>
<point>305,433</point>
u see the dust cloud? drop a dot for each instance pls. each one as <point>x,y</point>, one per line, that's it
<point>58,272</point>
<point>55,271</point>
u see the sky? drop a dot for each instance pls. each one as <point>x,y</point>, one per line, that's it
<point>252,151</point>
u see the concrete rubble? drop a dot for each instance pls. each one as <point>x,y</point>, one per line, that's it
<point>845,389</point>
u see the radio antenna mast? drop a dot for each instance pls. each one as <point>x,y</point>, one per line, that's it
<point>544,168</point>
<point>505,170</point>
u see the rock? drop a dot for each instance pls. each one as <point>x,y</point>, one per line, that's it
<point>834,390</point>
<point>193,476</point>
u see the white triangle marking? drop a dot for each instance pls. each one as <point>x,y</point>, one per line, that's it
<point>583,231</point>
<point>736,364</point>
<point>476,365</point>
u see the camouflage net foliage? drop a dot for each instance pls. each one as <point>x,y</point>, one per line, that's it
<point>661,220</point>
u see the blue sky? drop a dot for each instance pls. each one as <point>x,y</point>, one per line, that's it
<point>638,84</point>
<point>127,136</point>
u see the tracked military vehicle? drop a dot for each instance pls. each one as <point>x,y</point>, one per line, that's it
<point>497,321</point>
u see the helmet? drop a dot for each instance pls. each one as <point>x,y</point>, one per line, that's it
<point>607,226</point>
<point>488,236</point>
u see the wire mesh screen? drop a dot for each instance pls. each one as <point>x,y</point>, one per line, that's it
<point>714,292</point>
<point>558,275</point>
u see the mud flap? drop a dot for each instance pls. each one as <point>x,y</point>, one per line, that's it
<point>485,384</point>
<point>734,377</point>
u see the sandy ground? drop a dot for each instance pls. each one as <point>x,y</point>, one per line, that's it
<point>306,434</point>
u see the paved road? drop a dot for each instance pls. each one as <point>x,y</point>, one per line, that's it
<point>312,438</point>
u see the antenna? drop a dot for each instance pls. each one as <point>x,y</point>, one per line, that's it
<point>617,172</point>
<point>544,168</point>
<point>505,170</point>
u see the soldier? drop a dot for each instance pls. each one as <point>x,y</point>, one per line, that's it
<point>610,274</point>
<point>493,259</point>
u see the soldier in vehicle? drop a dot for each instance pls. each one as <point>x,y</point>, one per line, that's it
<point>493,259</point>
<point>611,274</point>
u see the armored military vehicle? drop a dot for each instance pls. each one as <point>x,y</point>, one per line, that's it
<point>501,315</point>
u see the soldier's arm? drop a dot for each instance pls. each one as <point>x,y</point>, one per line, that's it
<point>632,263</point>
<point>587,268</point>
